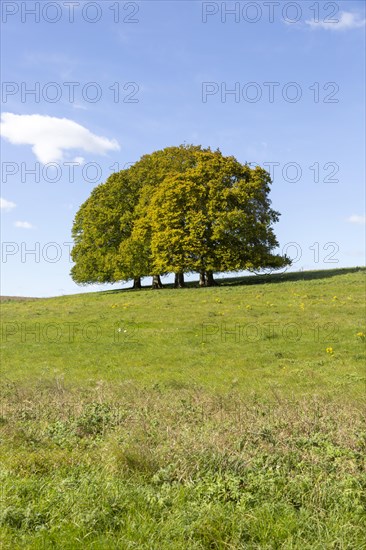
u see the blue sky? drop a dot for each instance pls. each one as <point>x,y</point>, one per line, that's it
<point>173,64</point>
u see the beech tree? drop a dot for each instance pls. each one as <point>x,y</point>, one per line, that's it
<point>105,250</point>
<point>148,174</point>
<point>215,217</point>
<point>179,210</point>
<point>103,222</point>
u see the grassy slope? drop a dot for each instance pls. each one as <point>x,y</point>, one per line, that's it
<point>251,337</point>
<point>177,434</point>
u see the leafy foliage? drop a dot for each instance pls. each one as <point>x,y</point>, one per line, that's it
<point>182,209</point>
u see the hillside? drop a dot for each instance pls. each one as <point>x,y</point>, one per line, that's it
<point>224,417</point>
<point>251,337</point>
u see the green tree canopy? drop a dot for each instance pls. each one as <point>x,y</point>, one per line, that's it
<point>182,209</point>
<point>103,221</point>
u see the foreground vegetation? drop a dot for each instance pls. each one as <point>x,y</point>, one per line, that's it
<point>179,434</point>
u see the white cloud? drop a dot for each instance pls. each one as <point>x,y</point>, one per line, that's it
<point>347,20</point>
<point>51,136</point>
<point>6,205</point>
<point>357,219</point>
<point>79,160</point>
<point>23,225</point>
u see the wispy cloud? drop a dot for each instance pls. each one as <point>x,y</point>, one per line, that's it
<point>347,20</point>
<point>79,106</point>
<point>23,225</point>
<point>6,205</point>
<point>51,136</point>
<point>355,218</point>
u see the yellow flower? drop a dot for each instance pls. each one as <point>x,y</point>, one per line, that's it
<point>330,351</point>
<point>361,335</point>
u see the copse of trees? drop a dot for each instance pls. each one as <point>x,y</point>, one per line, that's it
<point>179,210</point>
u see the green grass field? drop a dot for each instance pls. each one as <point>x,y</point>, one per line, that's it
<point>228,417</point>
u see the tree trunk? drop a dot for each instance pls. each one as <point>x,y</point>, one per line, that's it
<point>156,282</point>
<point>210,281</point>
<point>137,283</point>
<point>182,283</point>
<point>202,278</point>
<point>179,280</point>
